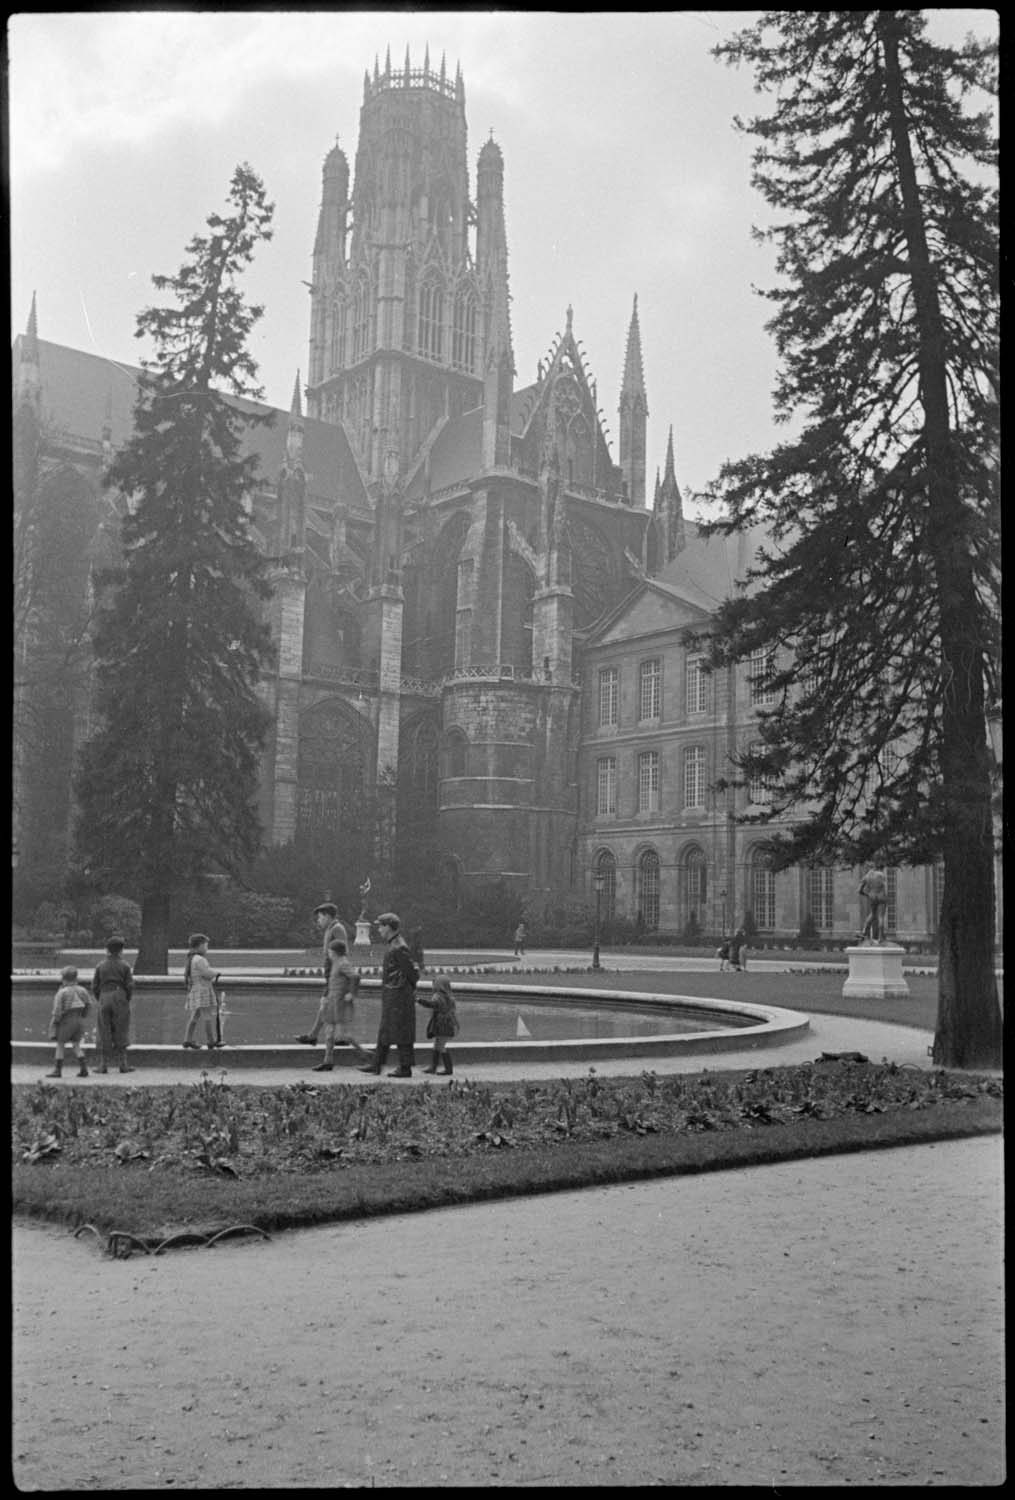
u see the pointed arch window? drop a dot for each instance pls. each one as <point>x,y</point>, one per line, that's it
<point>463,332</point>
<point>361,321</point>
<point>339,333</point>
<point>429,331</point>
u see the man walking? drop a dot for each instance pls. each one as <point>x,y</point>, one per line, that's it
<point>399,976</point>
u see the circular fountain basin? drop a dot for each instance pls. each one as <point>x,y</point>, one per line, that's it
<point>499,1023</point>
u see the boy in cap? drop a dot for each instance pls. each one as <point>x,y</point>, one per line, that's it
<point>326,916</point>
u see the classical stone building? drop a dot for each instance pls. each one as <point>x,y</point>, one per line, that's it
<point>472,601</point>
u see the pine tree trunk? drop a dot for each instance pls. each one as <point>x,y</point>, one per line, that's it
<point>969,1018</point>
<point>153,949</point>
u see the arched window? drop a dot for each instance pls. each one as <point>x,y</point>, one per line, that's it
<point>339,334</point>
<point>463,333</point>
<point>762,890</point>
<point>695,888</point>
<point>648,890</point>
<point>330,766</point>
<point>429,340</point>
<point>516,629</point>
<point>455,750</point>
<point>361,320</point>
<point>606,866</point>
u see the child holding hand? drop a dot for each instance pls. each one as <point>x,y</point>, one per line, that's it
<point>335,1013</point>
<point>442,1024</point>
<point>70,1008</point>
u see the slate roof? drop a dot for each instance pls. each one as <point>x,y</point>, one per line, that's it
<point>706,570</point>
<point>78,389</point>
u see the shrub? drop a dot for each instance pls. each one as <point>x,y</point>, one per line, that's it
<point>116,914</point>
<point>49,920</point>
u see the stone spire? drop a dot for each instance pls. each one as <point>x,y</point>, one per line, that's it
<point>669,507</point>
<point>29,379</point>
<point>294,430</point>
<point>633,415</point>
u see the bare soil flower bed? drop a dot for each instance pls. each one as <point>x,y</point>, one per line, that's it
<point>150,1161</point>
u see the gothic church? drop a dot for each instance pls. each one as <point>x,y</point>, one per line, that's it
<point>461,569</point>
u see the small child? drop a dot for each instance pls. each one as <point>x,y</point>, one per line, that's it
<point>334,1015</point>
<point>442,1024</point>
<point>202,1003</point>
<point>70,1008</point>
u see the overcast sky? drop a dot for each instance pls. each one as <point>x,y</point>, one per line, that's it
<point>623,174</point>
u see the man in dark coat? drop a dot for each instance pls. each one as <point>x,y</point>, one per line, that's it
<point>398,1000</point>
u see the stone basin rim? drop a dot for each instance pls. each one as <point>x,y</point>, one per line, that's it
<point>772,1027</point>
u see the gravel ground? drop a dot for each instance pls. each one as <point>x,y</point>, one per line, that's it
<point>837,1321</point>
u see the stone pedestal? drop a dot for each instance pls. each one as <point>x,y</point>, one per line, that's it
<point>362,938</point>
<point>875,972</point>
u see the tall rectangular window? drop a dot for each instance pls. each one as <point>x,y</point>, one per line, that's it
<point>820,879</point>
<point>648,781</point>
<point>606,786</point>
<point>758,790</point>
<point>697,685</point>
<point>609,695</point>
<point>650,684</point>
<point>759,665</point>
<point>694,776</point>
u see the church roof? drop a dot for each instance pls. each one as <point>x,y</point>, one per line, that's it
<point>704,573</point>
<point>457,452</point>
<point>83,393</point>
<point>708,569</point>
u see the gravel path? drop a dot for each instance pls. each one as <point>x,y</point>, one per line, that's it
<point>837,1321</point>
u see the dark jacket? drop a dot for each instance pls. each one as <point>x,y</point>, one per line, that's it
<point>398,996</point>
<point>112,974</point>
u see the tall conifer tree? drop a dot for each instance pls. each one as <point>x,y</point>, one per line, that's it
<point>167,783</point>
<point>880,590</point>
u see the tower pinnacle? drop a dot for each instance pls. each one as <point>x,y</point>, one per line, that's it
<point>633,414</point>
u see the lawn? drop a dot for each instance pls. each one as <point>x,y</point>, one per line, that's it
<point>147,1165</point>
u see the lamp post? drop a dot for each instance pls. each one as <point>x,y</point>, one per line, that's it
<point>598,880</point>
<point>722,898</point>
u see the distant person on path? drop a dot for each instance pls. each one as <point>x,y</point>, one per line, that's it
<point>334,1014</point>
<point>113,986</point>
<point>520,940</point>
<point>722,953</point>
<point>70,1007</point>
<point>443,1023</point>
<point>874,886</point>
<point>398,1000</point>
<point>202,1002</point>
<point>738,950</point>
<point>416,948</point>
